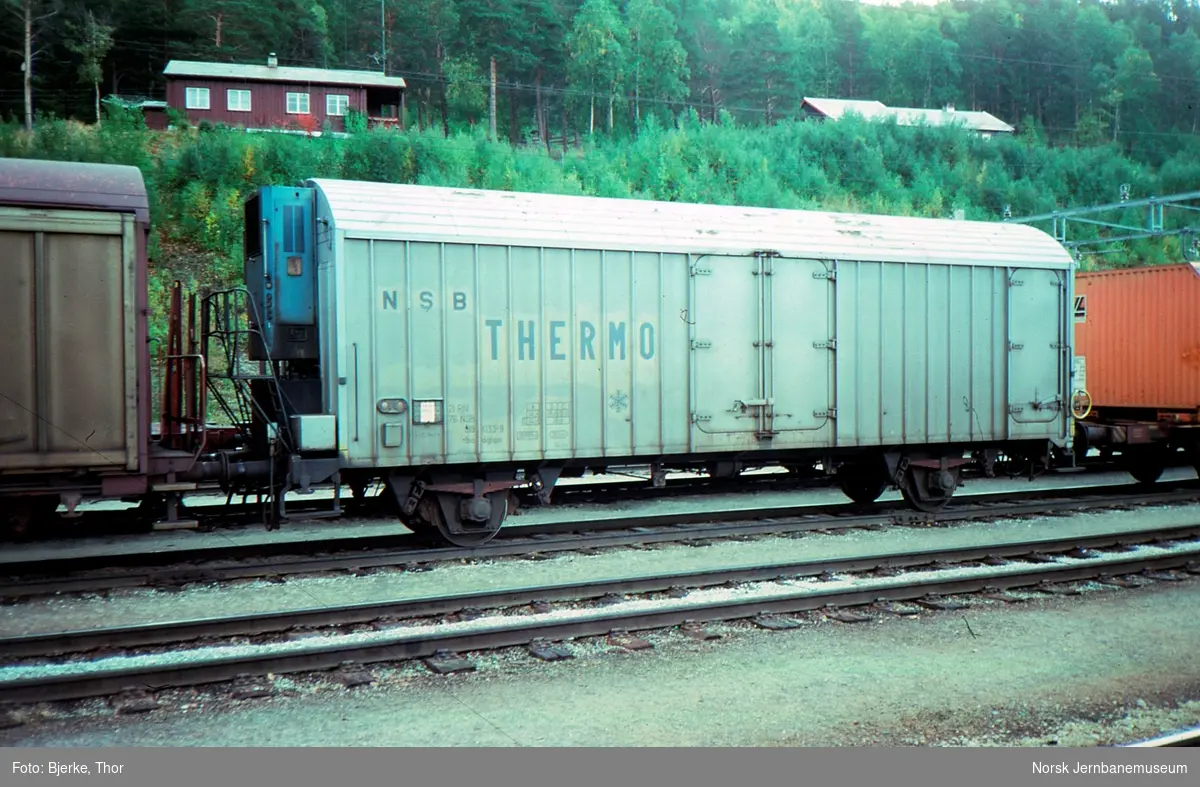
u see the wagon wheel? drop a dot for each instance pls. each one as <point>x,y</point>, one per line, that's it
<point>27,513</point>
<point>927,506</point>
<point>1022,466</point>
<point>426,531</point>
<point>1012,466</point>
<point>1146,466</point>
<point>429,520</point>
<point>938,498</point>
<point>861,483</point>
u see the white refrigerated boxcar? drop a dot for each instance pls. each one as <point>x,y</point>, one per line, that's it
<point>467,335</point>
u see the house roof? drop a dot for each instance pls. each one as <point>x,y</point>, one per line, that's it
<point>835,108</point>
<point>292,74</point>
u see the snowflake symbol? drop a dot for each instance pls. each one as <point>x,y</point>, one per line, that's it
<point>618,402</point>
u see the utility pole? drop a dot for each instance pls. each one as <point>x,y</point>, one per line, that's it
<point>492,100</point>
<point>27,66</point>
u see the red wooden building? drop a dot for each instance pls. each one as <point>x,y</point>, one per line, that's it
<point>273,97</point>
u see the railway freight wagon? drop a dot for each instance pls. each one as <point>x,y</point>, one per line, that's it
<point>74,365</point>
<point>1138,365</point>
<point>459,343</point>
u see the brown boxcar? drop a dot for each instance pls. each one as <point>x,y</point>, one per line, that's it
<point>1137,346</point>
<point>75,389</point>
<point>73,415</point>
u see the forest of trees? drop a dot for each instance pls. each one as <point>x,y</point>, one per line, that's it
<point>1084,71</point>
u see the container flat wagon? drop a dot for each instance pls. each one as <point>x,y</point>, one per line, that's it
<point>1138,365</point>
<point>459,343</point>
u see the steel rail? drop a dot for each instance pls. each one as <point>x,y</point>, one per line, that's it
<point>39,645</point>
<point>964,504</point>
<point>563,536</point>
<point>506,632</point>
<point>1178,739</point>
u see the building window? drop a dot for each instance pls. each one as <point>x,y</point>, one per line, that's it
<point>197,98</point>
<point>239,100</point>
<point>336,105</point>
<point>297,103</point>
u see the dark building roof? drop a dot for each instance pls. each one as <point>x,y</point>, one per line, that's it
<point>71,184</point>
<point>271,73</point>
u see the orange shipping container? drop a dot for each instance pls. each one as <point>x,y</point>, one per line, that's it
<point>1137,331</point>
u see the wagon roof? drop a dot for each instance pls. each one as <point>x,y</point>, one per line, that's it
<point>72,184</point>
<point>437,214</point>
<point>1141,271</point>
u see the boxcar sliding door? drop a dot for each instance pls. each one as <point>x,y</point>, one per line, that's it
<point>1037,350</point>
<point>761,355</point>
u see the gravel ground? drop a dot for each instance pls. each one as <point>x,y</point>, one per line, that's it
<point>1108,666</point>
<point>53,614</point>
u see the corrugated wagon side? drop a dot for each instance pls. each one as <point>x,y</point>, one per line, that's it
<point>465,336</point>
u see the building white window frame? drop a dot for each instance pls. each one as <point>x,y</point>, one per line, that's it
<point>238,106</point>
<point>298,104</point>
<point>196,98</point>
<point>335,102</point>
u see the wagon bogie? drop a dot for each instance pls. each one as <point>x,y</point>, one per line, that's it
<point>464,509</point>
<point>927,482</point>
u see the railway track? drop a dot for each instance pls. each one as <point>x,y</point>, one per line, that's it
<point>227,562</point>
<point>613,488</point>
<point>402,629</point>
<point>1177,739</point>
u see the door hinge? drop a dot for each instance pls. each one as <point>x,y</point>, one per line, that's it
<point>831,275</point>
<point>1015,346</point>
<point>764,344</point>
<point>829,345</point>
<point>697,418</point>
<point>701,344</point>
<point>1057,346</point>
<point>830,413</point>
<point>1013,409</point>
<point>698,271</point>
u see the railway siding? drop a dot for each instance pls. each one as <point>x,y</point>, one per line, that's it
<point>1172,561</point>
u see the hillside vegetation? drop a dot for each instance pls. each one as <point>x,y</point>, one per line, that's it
<point>1085,71</point>
<point>198,179</point>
